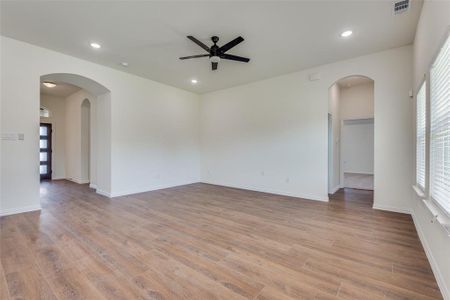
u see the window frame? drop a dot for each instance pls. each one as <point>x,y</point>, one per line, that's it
<point>424,83</point>
<point>434,201</point>
<point>441,215</point>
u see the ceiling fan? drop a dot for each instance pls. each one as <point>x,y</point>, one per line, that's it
<point>217,53</point>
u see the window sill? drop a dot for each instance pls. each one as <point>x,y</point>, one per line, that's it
<point>418,191</point>
<point>438,216</point>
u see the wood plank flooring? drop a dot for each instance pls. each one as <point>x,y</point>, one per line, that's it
<point>208,242</point>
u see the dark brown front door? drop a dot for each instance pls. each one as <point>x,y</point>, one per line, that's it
<point>45,155</point>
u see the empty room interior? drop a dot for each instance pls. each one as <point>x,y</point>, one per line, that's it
<point>225,149</point>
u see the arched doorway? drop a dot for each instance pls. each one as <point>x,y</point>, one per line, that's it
<point>351,134</point>
<point>84,131</point>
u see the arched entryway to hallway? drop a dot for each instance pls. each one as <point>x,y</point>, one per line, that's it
<point>351,121</point>
<point>80,114</point>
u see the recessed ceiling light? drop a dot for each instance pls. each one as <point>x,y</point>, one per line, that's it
<point>194,81</point>
<point>49,84</point>
<point>96,45</point>
<point>124,64</point>
<point>346,33</point>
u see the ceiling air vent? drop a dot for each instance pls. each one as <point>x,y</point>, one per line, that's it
<point>401,7</point>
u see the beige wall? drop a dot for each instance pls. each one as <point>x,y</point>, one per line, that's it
<point>357,102</point>
<point>77,160</point>
<point>433,26</point>
<point>333,109</point>
<point>85,139</point>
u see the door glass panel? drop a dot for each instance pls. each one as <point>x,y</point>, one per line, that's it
<point>43,130</point>
<point>43,169</point>
<point>43,144</point>
<point>43,156</point>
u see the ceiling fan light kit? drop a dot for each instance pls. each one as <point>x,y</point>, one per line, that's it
<point>216,53</point>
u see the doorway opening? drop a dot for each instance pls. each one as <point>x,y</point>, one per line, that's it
<point>76,110</point>
<point>351,134</point>
<point>357,137</point>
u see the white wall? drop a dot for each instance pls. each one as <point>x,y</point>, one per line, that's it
<point>85,139</point>
<point>433,26</point>
<point>102,141</point>
<point>57,118</point>
<point>271,135</point>
<point>154,136</point>
<point>358,146</point>
<point>333,109</point>
<point>357,102</point>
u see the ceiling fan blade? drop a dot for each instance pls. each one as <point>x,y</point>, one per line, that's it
<point>214,66</point>
<point>198,42</point>
<point>235,57</point>
<point>231,44</point>
<point>194,56</point>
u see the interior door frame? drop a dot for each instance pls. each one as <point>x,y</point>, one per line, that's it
<point>49,150</point>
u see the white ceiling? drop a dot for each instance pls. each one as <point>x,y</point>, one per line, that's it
<point>280,37</point>
<point>61,89</point>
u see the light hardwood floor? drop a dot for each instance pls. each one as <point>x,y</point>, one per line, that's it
<point>208,242</point>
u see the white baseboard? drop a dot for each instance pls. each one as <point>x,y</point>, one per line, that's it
<point>434,265</point>
<point>359,172</point>
<point>269,191</point>
<point>335,189</point>
<point>79,181</point>
<point>392,209</point>
<point>93,186</point>
<point>19,210</point>
<point>103,193</point>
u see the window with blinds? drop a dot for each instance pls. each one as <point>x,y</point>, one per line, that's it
<point>421,136</point>
<point>440,128</point>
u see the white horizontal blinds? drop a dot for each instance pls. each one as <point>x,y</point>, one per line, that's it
<point>421,136</point>
<point>440,128</point>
